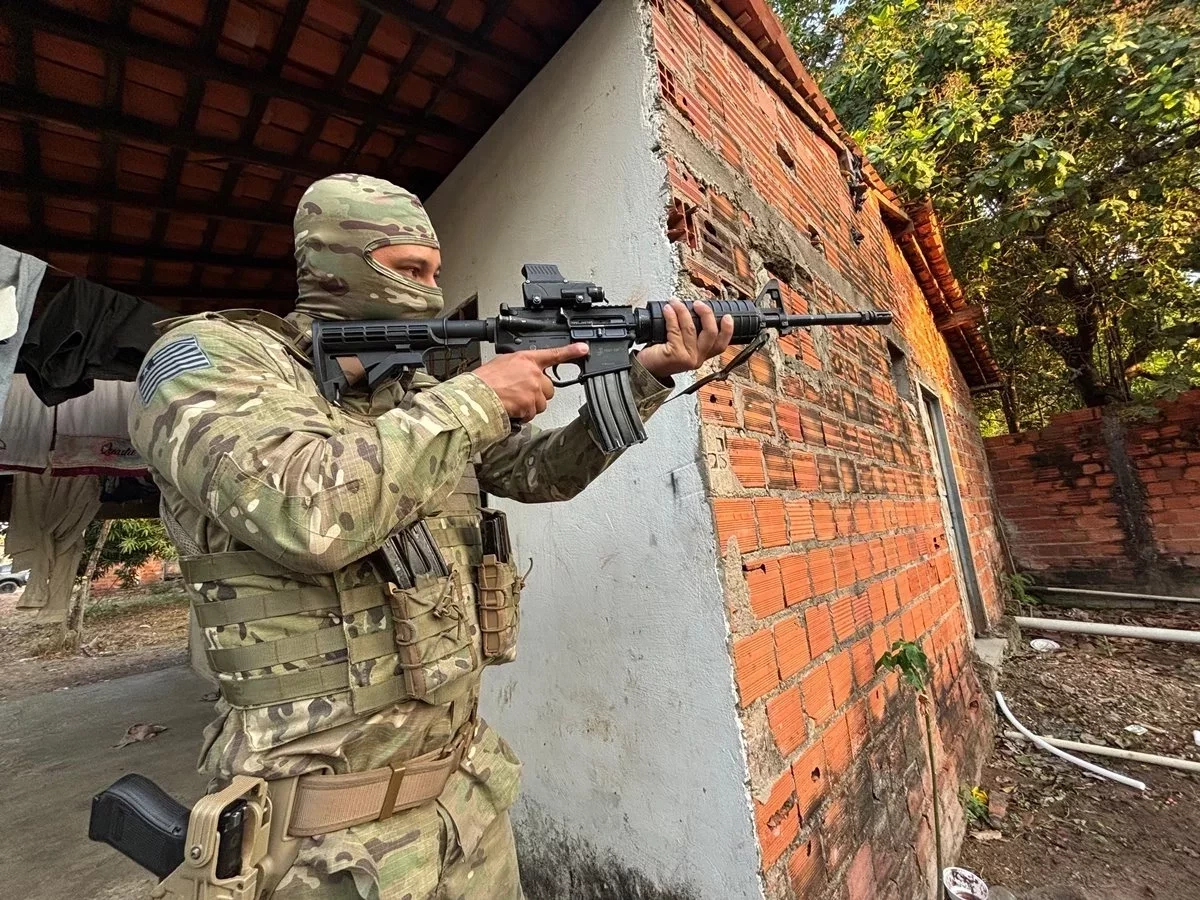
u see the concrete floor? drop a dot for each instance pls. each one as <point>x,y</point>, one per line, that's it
<point>56,751</point>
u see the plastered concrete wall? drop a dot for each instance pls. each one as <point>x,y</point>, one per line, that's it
<point>621,704</point>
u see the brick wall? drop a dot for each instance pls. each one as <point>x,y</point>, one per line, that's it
<point>830,529</point>
<point>150,572</point>
<point>1099,499</point>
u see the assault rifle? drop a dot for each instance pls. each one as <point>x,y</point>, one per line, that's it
<point>556,313</point>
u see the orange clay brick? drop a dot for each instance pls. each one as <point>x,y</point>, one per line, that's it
<point>862,610</point>
<point>862,662</point>
<point>841,677</point>
<point>796,586</point>
<point>809,774</point>
<point>820,565</point>
<point>819,626</point>
<point>843,520</point>
<point>735,518</point>
<point>791,647</point>
<point>779,468</point>
<point>716,404</point>
<point>800,521</point>
<point>862,561</point>
<point>862,518</point>
<point>823,520</point>
<point>859,720</point>
<point>766,590</point>
<point>810,422</point>
<point>756,412</point>
<point>755,669</point>
<point>788,416</point>
<point>843,616</point>
<point>877,597</point>
<point>746,460</point>
<point>804,469</point>
<point>806,869</point>
<point>818,695</point>
<point>836,742</point>
<point>762,369</point>
<point>772,524</point>
<point>843,565</point>
<point>778,820</point>
<point>785,715</point>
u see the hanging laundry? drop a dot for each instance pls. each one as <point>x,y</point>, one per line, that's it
<point>46,535</point>
<point>20,278</point>
<point>88,435</point>
<point>87,332</point>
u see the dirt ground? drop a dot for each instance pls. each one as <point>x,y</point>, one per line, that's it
<point>1067,835</point>
<point>124,633</point>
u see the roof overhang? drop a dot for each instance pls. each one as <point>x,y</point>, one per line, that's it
<point>160,146</point>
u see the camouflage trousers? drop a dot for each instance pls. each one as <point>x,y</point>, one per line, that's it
<point>422,860</point>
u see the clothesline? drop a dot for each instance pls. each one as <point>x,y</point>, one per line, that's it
<point>87,336</point>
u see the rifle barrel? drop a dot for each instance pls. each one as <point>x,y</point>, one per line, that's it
<point>871,317</point>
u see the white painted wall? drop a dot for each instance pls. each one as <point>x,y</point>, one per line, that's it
<point>621,704</point>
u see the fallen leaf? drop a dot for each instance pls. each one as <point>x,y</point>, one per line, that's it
<point>140,732</point>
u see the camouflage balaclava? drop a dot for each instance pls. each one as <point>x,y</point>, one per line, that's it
<point>339,221</point>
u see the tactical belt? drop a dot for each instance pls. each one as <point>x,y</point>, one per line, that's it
<point>327,803</point>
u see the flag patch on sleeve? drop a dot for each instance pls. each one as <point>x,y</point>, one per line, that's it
<point>168,361</point>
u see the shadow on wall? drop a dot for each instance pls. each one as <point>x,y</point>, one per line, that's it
<point>556,866</point>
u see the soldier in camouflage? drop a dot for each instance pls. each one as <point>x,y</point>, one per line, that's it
<point>278,501</point>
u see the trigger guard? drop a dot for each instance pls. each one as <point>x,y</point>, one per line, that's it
<point>557,381</point>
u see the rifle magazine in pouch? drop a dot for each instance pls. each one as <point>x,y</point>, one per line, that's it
<point>433,635</point>
<point>499,610</point>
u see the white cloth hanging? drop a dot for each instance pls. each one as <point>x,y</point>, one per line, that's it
<point>87,435</point>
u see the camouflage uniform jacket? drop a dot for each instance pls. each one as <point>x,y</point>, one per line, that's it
<point>248,454</point>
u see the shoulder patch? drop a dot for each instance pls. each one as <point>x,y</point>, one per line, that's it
<point>169,360</point>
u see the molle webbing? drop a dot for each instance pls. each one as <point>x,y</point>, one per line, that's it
<point>274,653</point>
<point>216,613</point>
<point>233,564</point>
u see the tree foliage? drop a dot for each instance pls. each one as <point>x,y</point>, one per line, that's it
<point>1060,141</point>
<point>131,543</point>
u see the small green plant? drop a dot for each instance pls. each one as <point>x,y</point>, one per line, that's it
<point>975,804</point>
<point>910,661</point>
<point>1018,587</point>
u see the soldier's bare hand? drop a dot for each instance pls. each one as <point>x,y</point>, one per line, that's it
<point>519,379</point>
<point>685,348</point>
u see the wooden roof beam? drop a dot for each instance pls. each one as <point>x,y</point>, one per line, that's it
<point>456,38</point>
<point>75,190</point>
<point>76,115</point>
<point>53,243</point>
<point>267,84</point>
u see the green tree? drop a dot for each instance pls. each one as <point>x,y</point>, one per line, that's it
<point>1060,140</point>
<point>130,544</point>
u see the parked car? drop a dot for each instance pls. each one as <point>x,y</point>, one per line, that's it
<point>10,581</point>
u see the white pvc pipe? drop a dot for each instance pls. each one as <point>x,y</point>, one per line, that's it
<point>1082,763</point>
<point>1064,590</point>
<point>1152,759</point>
<point>1129,631</point>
